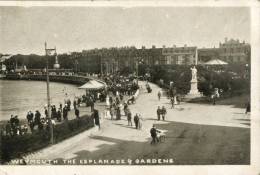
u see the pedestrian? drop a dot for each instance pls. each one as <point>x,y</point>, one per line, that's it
<point>29,116</point>
<point>65,113</point>
<point>8,129</point>
<point>125,108</point>
<point>96,118</point>
<point>74,104</point>
<point>214,96</point>
<point>158,113</point>
<point>37,118</point>
<point>111,110</point>
<point>92,104</point>
<point>159,95</point>
<point>129,118</point>
<point>61,107</point>
<point>164,112</point>
<point>118,113</point>
<point>172,102</point>
<point>248,107</point>
<point>69,104</point>
<point>59,115</point>
<point>77,112</point>
<point>46,112</point>
<point>140,122</point>
<point>12,123</point>
<point>136,120</point>
<point>153,133</point>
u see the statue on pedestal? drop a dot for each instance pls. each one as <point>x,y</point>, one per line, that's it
<point>194,92</point>
<point>193,73</point>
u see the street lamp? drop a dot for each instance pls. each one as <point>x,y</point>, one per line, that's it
<point>139,61</point>
<point>47,53</point>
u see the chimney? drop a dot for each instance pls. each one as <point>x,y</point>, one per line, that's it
<point>163,46</point>
<point>185,45</point>
<point>174,46</point>
<point>153,46</point>
<point>143,47</point>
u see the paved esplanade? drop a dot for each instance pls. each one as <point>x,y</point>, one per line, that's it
<point>114,132</point>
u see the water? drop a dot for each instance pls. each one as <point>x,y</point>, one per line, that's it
<point>18,97</point>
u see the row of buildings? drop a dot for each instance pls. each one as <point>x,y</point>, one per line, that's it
<point>110,60</point>
<point>114,59</point>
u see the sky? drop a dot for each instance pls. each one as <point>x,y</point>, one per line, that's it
<point>23,30</point>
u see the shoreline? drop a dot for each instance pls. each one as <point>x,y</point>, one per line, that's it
<point>68,79</point>
<point>64,79</point>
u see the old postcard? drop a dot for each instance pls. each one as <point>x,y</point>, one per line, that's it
<point>128,84</point>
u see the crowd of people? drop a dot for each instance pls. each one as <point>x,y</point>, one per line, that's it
<point>38,122</point>
<point>13,127</point>
<point>121,94</point>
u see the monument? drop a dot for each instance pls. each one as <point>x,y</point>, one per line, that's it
<point>194,92</point>
<point>56,65</point>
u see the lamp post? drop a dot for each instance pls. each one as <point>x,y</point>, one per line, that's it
<point>139,61</point>
<point>48,92</point>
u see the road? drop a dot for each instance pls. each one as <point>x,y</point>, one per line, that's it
<point>195,134</point>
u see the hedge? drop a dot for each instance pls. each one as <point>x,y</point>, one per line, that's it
<point>17,146</point>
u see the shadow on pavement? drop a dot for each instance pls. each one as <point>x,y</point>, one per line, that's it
<point>187,144</point>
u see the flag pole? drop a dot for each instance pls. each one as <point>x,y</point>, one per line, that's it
<point>48,95</point>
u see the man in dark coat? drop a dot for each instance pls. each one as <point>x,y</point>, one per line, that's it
<point>158,113</point>
<point>153,133</point>
<point>248,107</point>
<point>136,120</point>
<point>163,112</point>
<point>59,115</point>
<point>37,118</point>
<point>77,112</point>
<point>96,118</point>
<point>65,113</point>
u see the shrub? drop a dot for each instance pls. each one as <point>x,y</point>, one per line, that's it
<point>229,78</point>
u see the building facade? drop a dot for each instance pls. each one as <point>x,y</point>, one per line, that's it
<point>234,51</point>
<point>180,55</point>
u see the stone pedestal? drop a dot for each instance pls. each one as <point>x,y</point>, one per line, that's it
<point>194,87</point>
<point>194,92</point>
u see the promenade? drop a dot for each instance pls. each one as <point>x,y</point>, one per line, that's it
<point>195,134</point>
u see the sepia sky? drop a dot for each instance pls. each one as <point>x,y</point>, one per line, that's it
<point>25,29</point>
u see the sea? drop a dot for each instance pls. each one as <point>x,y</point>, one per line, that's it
<point>17,97</point>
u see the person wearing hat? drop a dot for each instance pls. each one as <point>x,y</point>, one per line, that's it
<point>153,133</point>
